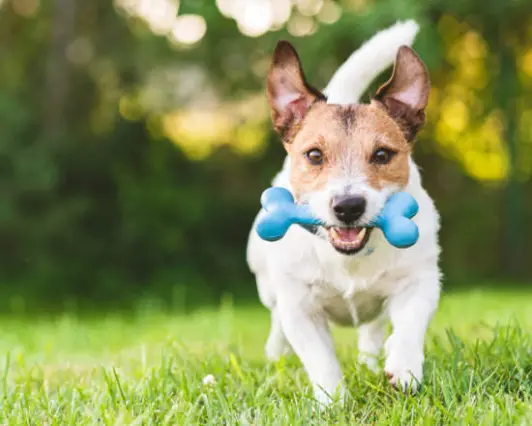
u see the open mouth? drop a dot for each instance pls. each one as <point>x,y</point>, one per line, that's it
<point>348,240</point>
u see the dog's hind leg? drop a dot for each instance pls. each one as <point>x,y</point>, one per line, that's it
<point>370,341</point>
<point>277,345</point>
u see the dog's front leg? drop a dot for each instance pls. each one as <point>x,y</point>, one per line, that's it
<point>410,311</point>
<point>306,329</point>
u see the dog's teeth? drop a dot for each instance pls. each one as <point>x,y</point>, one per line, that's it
<point>361,234</point>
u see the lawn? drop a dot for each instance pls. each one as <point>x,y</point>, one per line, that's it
<point>149,368</point>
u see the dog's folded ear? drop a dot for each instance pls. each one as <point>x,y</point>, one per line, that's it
<point>405,95</point>
<point>289,95</point>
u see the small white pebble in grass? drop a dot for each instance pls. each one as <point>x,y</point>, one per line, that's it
<point>209,380</point>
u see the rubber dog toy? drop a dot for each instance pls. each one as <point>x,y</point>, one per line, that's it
<point>281,212</point>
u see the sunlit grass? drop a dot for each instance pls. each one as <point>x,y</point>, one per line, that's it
<point>149,368</point>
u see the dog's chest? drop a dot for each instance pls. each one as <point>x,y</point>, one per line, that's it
<point>351,300</point>
<point>363,307</point>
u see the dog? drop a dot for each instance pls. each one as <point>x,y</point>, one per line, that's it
<point>344,160</point>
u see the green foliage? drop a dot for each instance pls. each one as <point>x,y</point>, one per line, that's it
<point>103,210</point>
<point>150,368</point>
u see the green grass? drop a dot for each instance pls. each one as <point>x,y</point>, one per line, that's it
<point>148,368</point>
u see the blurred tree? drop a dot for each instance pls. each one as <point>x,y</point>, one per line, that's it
<point>134,166</point>
<point>504,27</point>
<point>58,76</point>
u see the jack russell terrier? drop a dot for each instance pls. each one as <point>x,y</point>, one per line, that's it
<point>345,159</point>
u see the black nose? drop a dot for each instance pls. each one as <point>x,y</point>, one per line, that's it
<point>349,209</point>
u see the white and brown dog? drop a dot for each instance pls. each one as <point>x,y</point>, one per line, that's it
<point>344,160</point>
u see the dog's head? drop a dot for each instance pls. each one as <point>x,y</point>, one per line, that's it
<point>346,160</point>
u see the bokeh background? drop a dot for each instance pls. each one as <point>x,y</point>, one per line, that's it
<point>135,139</point>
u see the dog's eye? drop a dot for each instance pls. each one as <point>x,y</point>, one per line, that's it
<point>314,156</point>
<point>382,156</point>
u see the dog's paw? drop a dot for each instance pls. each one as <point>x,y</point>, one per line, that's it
<point>328,399</point>
<point>404,382</point>
<point>404,367</point>
<point>370,361</point>
<point>275,349</point>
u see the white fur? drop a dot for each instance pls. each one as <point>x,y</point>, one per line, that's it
<point>305,282</point>
<point>372,58</point>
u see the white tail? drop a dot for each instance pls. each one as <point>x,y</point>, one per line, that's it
<point>373,57</point>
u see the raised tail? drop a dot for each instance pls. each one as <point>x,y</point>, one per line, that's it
<point>373,57</point>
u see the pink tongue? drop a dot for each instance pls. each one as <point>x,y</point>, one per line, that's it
<point>348,234</point>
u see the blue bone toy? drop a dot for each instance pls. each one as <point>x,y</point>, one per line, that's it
<point>281,212</point>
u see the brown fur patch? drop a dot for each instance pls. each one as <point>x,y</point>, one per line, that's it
<point>347,115</point>
<point>286,80</point>
<point>348,136</point>
<point>410,121</point>
<point>406,94</point>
